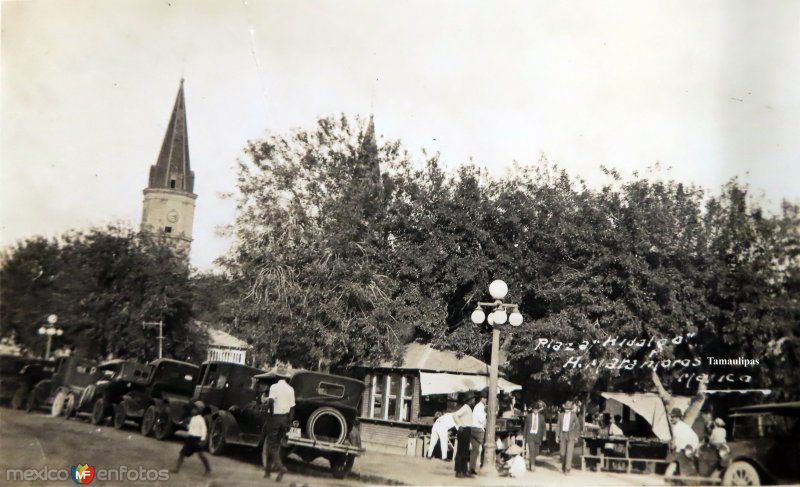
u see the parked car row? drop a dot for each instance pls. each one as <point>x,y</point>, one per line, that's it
<point>156,397</point>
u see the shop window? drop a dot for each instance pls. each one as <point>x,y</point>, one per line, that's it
<point>391,396</point>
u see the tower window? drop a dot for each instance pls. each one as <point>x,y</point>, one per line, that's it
<point>172,183</point>
<point>167,229</point>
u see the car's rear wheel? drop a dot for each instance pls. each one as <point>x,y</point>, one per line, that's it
<point>149,421</point>
<point>120,415</point>
<point>341,464</point>
<point>741,473</point>
<point>99,411</point>
<point>18,400</point>
<point>162,429</point>
<point>216,440</point>
<point>30,403</point>
<point>70,405</point>
<point>58,403</point>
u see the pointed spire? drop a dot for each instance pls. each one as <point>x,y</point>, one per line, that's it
<point>369,153</point>
<point>172,169</point>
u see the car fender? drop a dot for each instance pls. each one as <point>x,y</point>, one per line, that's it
<point>232,431</point>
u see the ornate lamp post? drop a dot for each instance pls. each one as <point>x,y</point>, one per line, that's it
<point>498,316</point>
<point>50,330</point>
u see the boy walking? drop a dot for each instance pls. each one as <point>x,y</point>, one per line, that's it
<point>198,432</point>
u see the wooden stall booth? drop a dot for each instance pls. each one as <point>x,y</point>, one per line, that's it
<point>400,401</point>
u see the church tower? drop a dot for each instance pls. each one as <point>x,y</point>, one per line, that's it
<point>169,199</point>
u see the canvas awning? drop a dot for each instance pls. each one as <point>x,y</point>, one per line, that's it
<point>444,383</point>
<point>649,406</point>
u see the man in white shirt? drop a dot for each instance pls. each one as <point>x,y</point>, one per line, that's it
<point>515,463</point>
<point>682,434</point>
<point>464,421</point>
<point>281,398</point>
<point>440,432</point>
<point>478,433</point>
<point>198,431</point>
<point>614,429</point>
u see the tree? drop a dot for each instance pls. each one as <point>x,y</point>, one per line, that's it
<point>103,283</point>
<point>310,254</point>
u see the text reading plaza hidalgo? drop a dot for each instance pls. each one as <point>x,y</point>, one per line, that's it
<point>657,344</point>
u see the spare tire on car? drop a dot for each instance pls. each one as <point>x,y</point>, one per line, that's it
<point>327,424</point>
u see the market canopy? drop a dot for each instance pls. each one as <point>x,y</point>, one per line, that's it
<point>444,383</point>
<point>650,406</point>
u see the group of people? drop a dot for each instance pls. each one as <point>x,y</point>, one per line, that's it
<point>685,438</point>
<point>469,421</point>
<point>282,401</point>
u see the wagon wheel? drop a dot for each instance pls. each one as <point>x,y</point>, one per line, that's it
<point>99,411</point>
<point>162,428</point>
<point>149,421</point>
<point>120,415</point>
<point>216,441</point>
<point>741,473</point>
<point>18,400</point>
<point>341,465</point>
<point>58,403</point>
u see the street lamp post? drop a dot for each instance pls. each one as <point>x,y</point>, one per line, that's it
<point>50,330</point>
<point>497,317</point>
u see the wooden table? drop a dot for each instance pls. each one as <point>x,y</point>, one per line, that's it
<point>622,446</point>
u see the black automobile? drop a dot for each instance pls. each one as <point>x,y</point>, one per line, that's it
<point>763,449</point>
<point>224,384</point>
<point>324,423</point>
<point>19,375</point>
<point>164,396</point>
<point>765,445</point>
<point>72,375</point>
<point>116,378</point>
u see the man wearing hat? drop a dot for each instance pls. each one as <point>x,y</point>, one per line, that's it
<point>567,432</point>
<point>534,433</point>
<point>464,421</point>
<point>282,401</point>
<point>478,432</point>
<point>682,434</point>
<point>198,431</point>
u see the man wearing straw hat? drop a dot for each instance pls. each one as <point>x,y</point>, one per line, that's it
<point>534,433</point>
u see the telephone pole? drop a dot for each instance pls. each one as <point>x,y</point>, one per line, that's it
<point>160,325</point>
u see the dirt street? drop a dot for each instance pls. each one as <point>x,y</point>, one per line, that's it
<point>37,440</point>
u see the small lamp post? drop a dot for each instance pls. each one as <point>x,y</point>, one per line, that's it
<point>498,316</point>
<point>50,330</point>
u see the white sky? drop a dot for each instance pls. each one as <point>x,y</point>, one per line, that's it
<point>710,88</point>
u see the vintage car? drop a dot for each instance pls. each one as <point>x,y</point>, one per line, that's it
<point>164,395</point>
<point>72,375</point>
<point>223,385</point>
<point>19,375</point>
<point>763,449</point>
<point>116,378</point>
<point>324,422</point>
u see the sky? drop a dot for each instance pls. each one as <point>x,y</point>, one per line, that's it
<point>709,89</point>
